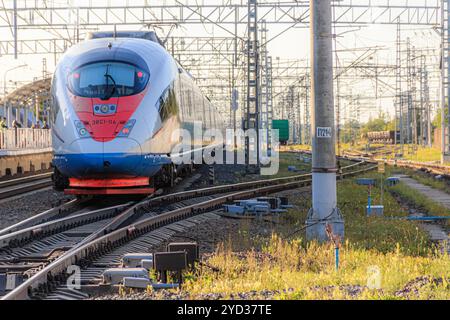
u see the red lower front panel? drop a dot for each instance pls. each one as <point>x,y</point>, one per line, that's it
<point>139,185</point>
<point>107,191</point>
<point>109,183</point>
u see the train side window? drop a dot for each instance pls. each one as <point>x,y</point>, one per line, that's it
<point>205,119</point>
<point>179,94</point>
<point>167,103</point>
<point>54,106</point>
<point>211,114</point>
<point>192,102</point>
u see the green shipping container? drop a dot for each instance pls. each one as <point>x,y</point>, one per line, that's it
<point>283,127</point>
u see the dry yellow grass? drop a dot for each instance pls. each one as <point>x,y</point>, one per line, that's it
<point>309,273</point>
<point>294,269</point>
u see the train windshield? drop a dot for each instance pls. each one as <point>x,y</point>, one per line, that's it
<point>107,79</point>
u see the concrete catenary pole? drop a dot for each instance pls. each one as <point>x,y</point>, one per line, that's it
<point>324,210</point>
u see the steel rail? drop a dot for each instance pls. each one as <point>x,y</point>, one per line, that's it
<point>14,187</point>
<point>416,165</point>
<point>15,181</point>
<point>23,236</point>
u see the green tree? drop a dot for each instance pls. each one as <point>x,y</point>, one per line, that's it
<point>437,119</point>
<point>350,131</point>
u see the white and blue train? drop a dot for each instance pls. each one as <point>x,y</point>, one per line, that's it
<point>117,98</point>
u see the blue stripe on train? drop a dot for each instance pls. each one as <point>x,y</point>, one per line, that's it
<point>117,164</point>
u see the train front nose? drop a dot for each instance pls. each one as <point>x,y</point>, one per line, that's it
<point>91,159</point>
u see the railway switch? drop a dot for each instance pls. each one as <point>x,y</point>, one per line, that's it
<point>116,275</point>
<point>146,264</point>
<point>140,283</point>
<point>134,260</point>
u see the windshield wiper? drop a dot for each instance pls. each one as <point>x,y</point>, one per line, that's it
<point>108,76</point>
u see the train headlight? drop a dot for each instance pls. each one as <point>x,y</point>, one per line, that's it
<point>82,132</point>
<point>126,130</point>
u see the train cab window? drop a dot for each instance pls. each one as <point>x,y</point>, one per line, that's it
<point>107,79</point>
<point>167,103</point>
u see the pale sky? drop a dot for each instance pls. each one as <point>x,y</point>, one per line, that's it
<point>293,44</point>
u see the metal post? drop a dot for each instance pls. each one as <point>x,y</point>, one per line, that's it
<point>211,175</point>
<point>234,66</point>
<point>8,114</point>
<point>15,28</point>
<point>25,117</point>
<point>446,155</point>
<point>422,115</point>
<point>428,106</point>
<point>307,111</point>
<point>442,102</point>
<point>37,101</point>
<point>398,91</point>
<point>445,77</point>
<point>324,210</point>
<point>252,112</point>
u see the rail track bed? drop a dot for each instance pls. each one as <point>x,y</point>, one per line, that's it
<point>139,227</point>
<point>30,249</point>
<point>92,275</point>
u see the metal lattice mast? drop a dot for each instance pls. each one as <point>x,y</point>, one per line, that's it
<point>398,90</point>
<point>422,109</point>
<point>445,81</point>
<point>414,96</point>
<point>290,104</point>
<point>269,110</point>
<point>298,115</point>
<point>409,119</point>
<point>427,105</point>
<point>264,92</point>
<point>252,105</point>
<point>307,113</point>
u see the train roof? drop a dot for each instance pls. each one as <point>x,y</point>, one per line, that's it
<point>148,35</point>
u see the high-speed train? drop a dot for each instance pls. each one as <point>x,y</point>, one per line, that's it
<point>116,99</point>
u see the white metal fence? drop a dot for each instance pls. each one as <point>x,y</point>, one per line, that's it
<point>25,138</point>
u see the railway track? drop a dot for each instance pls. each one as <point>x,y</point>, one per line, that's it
<point>428,167</point>
<point>139,227</point>
<point>18,186</point>
<point>355,155</point>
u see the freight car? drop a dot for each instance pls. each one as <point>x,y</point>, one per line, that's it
<point>381,137</point>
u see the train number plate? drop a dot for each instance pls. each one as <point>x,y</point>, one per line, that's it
<point>323,132</point>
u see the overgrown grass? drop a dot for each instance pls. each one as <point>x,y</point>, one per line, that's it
<point>399,250</point>
<point>292,268</point>
<point>308,272</point>
<point>372,232</point>
<point>423,154</point>
<point>292,159</point>
<point>378,232</point>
